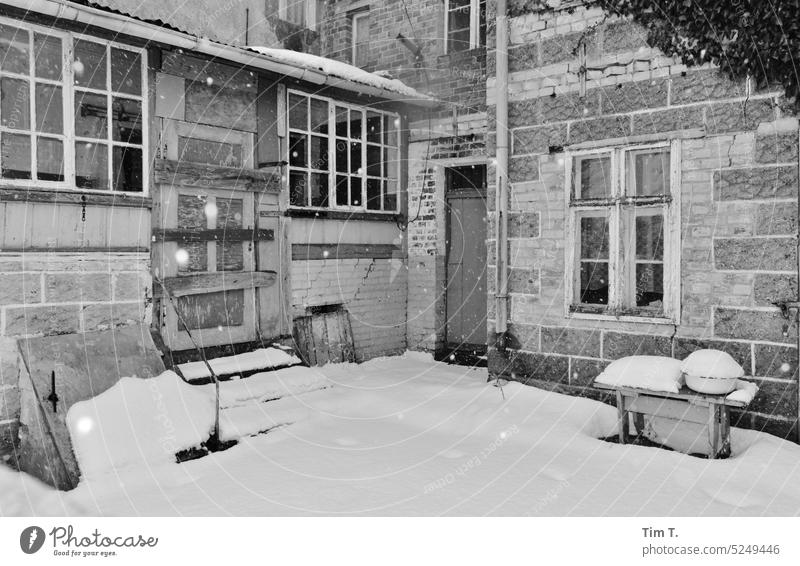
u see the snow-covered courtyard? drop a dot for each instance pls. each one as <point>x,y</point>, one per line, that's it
<point>393,436</point>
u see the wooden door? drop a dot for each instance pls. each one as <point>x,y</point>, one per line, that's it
<point>466,258</point>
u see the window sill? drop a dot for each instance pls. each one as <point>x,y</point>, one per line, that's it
<point>328,214</point>
<point>588,314</point>
<point>62,195</point>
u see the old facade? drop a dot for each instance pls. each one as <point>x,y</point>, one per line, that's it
<point>150,179</point>
<point>652,210</point>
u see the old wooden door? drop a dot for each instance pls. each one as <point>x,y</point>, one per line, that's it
<point>466,259</point>
<point>206,238</point>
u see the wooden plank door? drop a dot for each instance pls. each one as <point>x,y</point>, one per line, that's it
<point>466,259</point>
<point>208,265</point>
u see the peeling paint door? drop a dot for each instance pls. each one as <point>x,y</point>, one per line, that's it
<point>466,259</point>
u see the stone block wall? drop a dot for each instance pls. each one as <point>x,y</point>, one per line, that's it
<point>44,294</point>
<point>738,207</point>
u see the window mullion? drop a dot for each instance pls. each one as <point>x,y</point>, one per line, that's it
<point>331,154</point>
<point>31,79</point>
<point>68,103</point>
<point>362,201</point>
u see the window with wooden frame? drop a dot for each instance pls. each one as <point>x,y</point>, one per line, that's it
<point>623,230</point>
<point>465,24</point>
<point>72,112</point>
<point>360,38</point>
<point>342,156</point>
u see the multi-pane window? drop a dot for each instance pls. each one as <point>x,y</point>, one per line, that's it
<point>623,215</point>
<point>360,26</point>
<point>465,24</point>
<point>70,111</point>
<point>342,156</point>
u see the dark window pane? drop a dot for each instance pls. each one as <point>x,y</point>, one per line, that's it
<point>89,66</point>
<point>49,109</point>
<point>319,153</point>
<point>355,157</point>
<point>298,188</point>
<point>594,283</point>
<point>652,173</point>
<point>373,194</point>
<point>650,285</point>
<point>650,237</point>
<point>298,152</point>
<point>212,310</point>
<point>298,112</point>
<point>91,115</point>
<point>594,175</point>
<point>230,213</point>
<point>458,40</point>
<point>355,125</point>
<point>230,256</point>
<point>342,152</point>
<point>342,190</point>
<point>341,121</point>
<point>91,165</point>
<point>15,156</point>
<point>374,124</point>
<point>14,50</point>
<point>319,189</point>
<point>374,160</point>
<point>390,195</point>
<point>467,177</point>
<point>319,116</point>
<point>127,120</point>
<point>390,127</point>
<point>196,257</point>
<point>594,238</point>
<point>128,169</point>
<point>49,159</point>
<point>126,71</point>
<point>15,108</point>
<point>355,191</point>
<point>47,50</point>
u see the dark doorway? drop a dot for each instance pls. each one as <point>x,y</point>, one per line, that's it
<point>465,331</point>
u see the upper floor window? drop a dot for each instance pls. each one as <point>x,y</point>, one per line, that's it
<point>360,26</point>
<point>623,216</point>
<point>304,13</point>
<point>71,111</point>
<point>342,156</point>
<point>465,24</point>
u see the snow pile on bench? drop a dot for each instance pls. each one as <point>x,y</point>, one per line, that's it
<point>266,386</point>
<point>654,373</point>
<point>744,393</point>
<point>139,420</point>
<point>263,358</point>
<point>712,363</point>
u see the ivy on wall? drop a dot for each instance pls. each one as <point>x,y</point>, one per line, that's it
<point>755,38</point>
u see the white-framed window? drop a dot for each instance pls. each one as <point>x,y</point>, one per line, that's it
<point>360,39</point>
<point>72,111</point>
<point>623,256</point>
<point>464,24</point>
<point>304,13</point>
<point>342,156</point>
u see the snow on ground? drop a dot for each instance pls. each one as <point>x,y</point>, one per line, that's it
<point>409,436</point>
<point>21,494</point>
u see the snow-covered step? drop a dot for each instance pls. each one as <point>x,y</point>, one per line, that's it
<point>249,420</point>
<point>262,387</point>
<point>261,359</point>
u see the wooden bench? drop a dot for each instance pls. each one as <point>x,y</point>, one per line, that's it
<point>687,405</point>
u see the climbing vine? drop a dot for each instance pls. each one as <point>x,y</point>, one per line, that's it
<point>756,38</point>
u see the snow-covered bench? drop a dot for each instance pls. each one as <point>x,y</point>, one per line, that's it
<point>654,385</point>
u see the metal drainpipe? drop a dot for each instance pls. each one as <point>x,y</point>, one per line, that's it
<point>797,321</point>
<point>501,178</point>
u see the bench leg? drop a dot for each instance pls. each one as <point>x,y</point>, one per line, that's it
<point>725,431</point>
<point>713,429</point>
<point>622,416</point>
<point>638,423</point>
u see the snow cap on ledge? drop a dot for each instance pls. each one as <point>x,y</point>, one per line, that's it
<point>344,72</point>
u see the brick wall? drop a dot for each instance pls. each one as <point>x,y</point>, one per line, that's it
<point>738,214</point>
<point>372,290</point>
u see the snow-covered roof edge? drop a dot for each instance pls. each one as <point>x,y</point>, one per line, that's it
<point>300,66</point>
<point>344,72</point>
